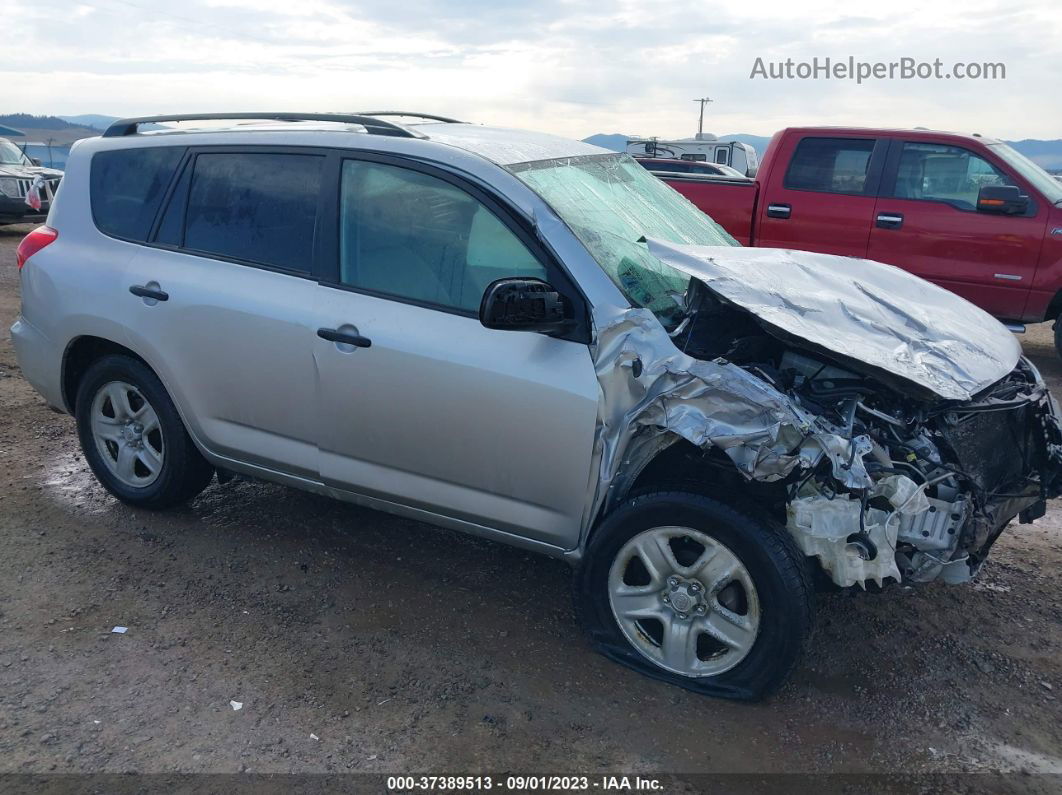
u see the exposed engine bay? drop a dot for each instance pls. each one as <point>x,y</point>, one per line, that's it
<point>944,476</point>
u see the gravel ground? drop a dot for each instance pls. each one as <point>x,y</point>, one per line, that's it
<point>361,642</point>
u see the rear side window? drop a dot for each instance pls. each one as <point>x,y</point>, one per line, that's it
<point>831,165</point>
<point>259,207</point>
<point>127,186</point>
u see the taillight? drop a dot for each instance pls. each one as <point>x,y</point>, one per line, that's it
<point>34,242</point>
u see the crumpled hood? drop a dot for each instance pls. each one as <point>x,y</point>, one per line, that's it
<point>859,309</point>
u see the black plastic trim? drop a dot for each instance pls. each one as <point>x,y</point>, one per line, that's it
<point>373,125</point>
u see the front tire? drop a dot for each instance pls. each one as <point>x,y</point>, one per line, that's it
<point>689,590</point>
<point>133,438</point>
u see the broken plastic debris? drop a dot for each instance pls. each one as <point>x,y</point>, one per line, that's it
<point>120,630</point>
<point>236,705</point>
<point>314,736</point>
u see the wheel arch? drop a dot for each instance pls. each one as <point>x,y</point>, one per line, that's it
<point>80,354</point>
<point>669,462</point>
<point>1054,309</point>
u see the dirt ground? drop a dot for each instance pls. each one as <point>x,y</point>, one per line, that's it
<point>361,642</point>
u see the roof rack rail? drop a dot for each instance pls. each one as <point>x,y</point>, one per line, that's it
<point>411,114</point>
<point>373,125</point>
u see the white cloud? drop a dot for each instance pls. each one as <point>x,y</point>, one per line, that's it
<point>566,66</point>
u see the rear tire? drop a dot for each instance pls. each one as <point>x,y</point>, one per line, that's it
<point>696,593</point>
<point>133,438</point>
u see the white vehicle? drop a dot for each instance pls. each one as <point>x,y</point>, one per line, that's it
<point>702,148</point>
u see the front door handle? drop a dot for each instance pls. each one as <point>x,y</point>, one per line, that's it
<point>779,210</point>
<point>342,337</point>
<point>149,292</point>
<point>889,220</point>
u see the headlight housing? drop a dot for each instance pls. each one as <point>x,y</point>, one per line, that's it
<point>9,186</point>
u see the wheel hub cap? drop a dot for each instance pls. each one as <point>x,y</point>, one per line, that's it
<point>127,433</point>
<point>684,600</point>
<point>684,596</point>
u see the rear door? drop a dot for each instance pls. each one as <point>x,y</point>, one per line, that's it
<point>426,407</point>
<point>233,255</point>
<point>825,199</point>
<point>927,222</point>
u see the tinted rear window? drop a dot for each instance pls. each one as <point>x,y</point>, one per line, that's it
<point>831,165</point>
<point>127,187</point>
<point>259,207</point>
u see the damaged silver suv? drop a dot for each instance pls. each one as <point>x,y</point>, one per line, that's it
<point>536,341</point>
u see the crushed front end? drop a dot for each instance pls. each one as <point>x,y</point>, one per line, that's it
<point>894,428</point>
<point>946,476</point>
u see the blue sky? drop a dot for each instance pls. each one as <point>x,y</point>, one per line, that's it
<point>564,66</point>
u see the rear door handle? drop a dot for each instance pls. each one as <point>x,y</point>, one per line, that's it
<point>889,220</point>
<point>342,337</point>
<point>779,210</point>
<point>149,292</point>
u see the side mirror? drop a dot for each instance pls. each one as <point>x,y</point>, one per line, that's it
<point>35,161</point>
<point>1002,200</point>
<point>523,305</point>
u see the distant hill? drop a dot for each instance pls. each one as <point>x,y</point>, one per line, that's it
<point>93,120</point>
<point>25,121</point>
<point>1047,153</point>
<point>615,142</point>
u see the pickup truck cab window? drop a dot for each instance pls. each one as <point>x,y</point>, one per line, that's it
<point>831,165</point>
<point>944,173</point>
<point>409,235</point>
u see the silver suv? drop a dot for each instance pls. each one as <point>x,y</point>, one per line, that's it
<point>533,340</point>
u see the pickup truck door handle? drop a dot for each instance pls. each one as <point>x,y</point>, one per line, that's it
<point>779,210</point>
<point>335,335</point>
<point>149,292</point>
<point>889,220</point>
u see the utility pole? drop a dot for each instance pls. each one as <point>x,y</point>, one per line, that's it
<point>700,121</point>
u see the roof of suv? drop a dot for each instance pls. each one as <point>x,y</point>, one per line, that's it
<point>500,145</point>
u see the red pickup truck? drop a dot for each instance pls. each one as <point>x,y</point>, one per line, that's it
<point>967,212</point>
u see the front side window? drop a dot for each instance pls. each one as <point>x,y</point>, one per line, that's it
<point>260,207</point>
<point>612,204</point>
<point>416,237</point>
<point>830,165</point>
<point>950,174</point>
<point>127,187</point>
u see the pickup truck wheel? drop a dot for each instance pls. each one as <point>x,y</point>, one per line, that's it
<point>694,592</point>
<point>133,438</point>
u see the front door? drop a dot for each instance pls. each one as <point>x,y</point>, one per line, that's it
<point>928,223</point>
<point>419,403</point>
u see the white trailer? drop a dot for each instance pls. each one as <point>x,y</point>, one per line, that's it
<point>704,147</point>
